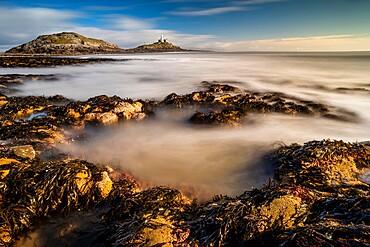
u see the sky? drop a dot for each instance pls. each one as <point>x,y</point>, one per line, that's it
<point>235,25</point>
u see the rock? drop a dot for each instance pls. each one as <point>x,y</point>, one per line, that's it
<point>3,101</point>
<point>128,110</point>
<point>161,235</point>
<point>226,116</point>
<point>105,118</point>
<point>222,88</point>
<point>281,210</point>
<point>105,185</point>
<point>83,181</point>
<point>176,100</point>
<point>5,235</point>
<point>322,163</point>
<point>139,116</point>
<point>6,161</point>
<point>25,151</point>
<point>72,113</point>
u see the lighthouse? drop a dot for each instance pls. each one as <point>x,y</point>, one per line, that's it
<point>162,39</point>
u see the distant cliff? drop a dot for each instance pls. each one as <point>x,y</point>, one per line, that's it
<point>66,43</point>
<point>69,43</point>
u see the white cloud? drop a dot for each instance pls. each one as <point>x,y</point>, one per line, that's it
<point>104,8</point>
<point>347,42</point>
<point>211,11</point>
<point>22,24</point>
<point>131,23</point>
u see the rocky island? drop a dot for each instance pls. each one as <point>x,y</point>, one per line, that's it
<point>66,43</point>
<point>70,43</point>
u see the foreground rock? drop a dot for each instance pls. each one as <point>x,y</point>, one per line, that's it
<point>319,195</point>
<point>290,212</point>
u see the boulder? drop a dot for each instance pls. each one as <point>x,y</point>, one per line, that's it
<point>25,151</point>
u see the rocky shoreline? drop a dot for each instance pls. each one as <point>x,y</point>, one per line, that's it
<point>22,61</point>
<point>319,195</point>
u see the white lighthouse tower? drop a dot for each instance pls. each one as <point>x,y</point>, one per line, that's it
<point>162,39</point>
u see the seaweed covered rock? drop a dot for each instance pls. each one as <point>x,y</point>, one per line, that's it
<point>296,212</point>
<point>226,116</point>
<point>244,220</point>
<point>152,217</point>
<point>226,104</point>
<point>37,190</point>
<point>322,163</point>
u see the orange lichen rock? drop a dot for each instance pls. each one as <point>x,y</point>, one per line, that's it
<point>6,161</point>
<point>105,185</point>
<point>25,151</point>
<point>128,110</point>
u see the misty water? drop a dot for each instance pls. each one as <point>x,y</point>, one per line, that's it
<point>205,161</point>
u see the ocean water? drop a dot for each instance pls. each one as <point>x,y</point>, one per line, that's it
<point>222,160</point>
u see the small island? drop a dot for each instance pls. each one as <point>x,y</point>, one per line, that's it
<point>70,43</point>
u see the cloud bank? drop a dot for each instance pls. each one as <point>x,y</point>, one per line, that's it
<point>347,42</point>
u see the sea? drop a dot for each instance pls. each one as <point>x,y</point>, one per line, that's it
<point>205,161</point>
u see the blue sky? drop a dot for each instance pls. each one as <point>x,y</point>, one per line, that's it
<point>214,24</point>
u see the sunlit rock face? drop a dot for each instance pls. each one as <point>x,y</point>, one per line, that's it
<point>66,43</point>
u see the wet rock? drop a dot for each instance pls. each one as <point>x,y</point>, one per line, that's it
<point>129,111</point>
<point>175,100</point>
<point>147,218</point>
<point>105,118</point>
<point>42,190</point>
<point>4,169</point>
<point>25,151</point>
<point>223,88</point>
<point>105,185</point>
<point>230,117</point>
<point>218,97</point>
<point>139,116</point>
<point>3,101</point>
<point>322,163</point>
<point>82,180</point>
<point>5,235</point>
